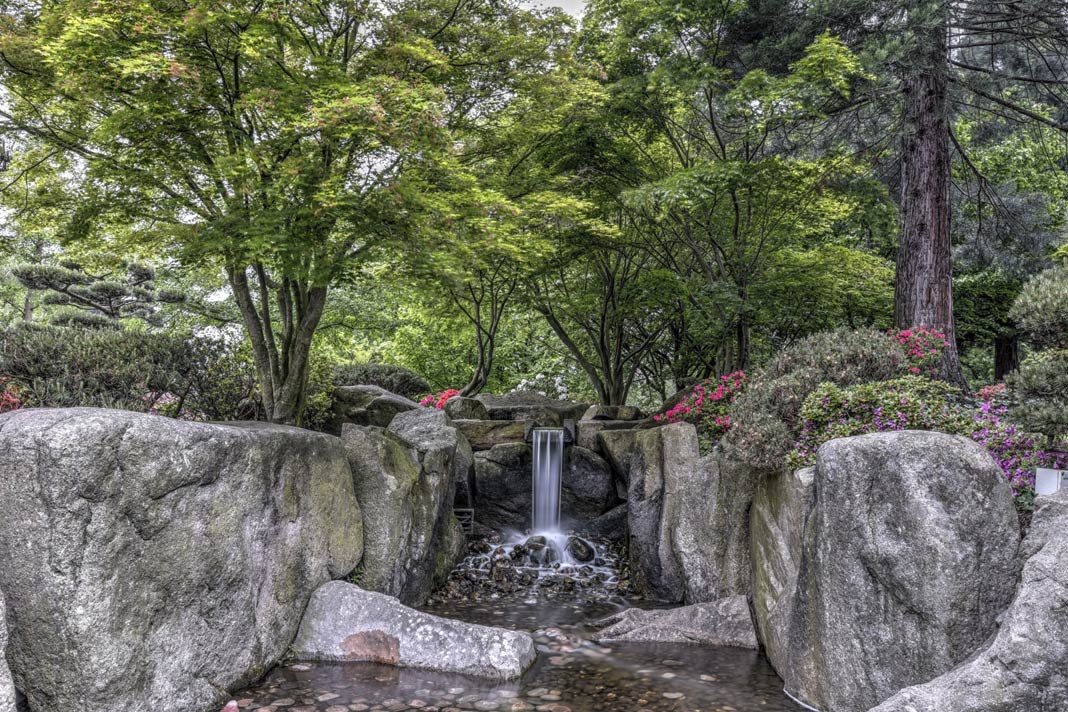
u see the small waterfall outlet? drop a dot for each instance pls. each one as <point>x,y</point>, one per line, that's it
<point>548,464</point>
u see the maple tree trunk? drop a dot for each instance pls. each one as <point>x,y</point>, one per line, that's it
<point>923,291</point>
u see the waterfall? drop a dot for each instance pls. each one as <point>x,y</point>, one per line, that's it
<point>548,463</point>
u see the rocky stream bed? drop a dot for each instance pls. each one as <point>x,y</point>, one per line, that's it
<point>555,588</point>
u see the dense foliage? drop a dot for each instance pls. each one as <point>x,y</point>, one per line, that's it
<point>1041,384</point>
<point>919,403</point>
<point>181,376</point>
<point>498,197</point>
<point>766,418</point>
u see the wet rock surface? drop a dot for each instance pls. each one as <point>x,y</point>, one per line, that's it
<point>544,567</point>
<point>504,492</point>
<point>723,622</point>
<point>343,623</point>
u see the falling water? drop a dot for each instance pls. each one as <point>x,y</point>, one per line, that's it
<point>548,462</point>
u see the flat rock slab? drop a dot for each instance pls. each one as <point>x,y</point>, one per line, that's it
<point>723,622</point>
<point>485,434</point>
<point>344,623</point>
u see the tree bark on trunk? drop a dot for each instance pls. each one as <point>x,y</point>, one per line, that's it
<point>282,362</point>
<point>923,290</point>
<point>1006,355</point>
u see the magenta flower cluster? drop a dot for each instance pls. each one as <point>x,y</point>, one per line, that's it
<point>438,400</point>
<point>923,347</point>
<point>706,405</point>
<point>1017,453</point>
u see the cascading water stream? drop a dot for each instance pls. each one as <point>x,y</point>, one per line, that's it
<point>548,464</point>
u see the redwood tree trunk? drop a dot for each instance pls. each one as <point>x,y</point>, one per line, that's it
<point>923,292</point>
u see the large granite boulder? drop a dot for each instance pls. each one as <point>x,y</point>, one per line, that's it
<point>671,500</point>
<point>345,623</point>
<point>587,432</point>
<point>367,405</point>
<point>410,532</point>
<point>612,412</point>
<point>486,434</point>
<point>909,556</point>
<point>151,563</point>
<point>503,488</point>
<point>723,622</point>
<point>7,686</point>
<point>1025,667</point>
<point>524,405</point>
<point>587,489</point>
<point>611,525</point>
<point>617,447</point>
<point>777,526</point>
<point>735,487</point>
<point>461,408</point>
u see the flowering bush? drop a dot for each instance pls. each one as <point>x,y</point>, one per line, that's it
<point>914,402</point>
<point>438,400</point>
<point>907,403</point>
<point>765,418</point>
<point>706,406</point>
<point>923,348</point>
<point>551,387</point>
<point>1016,451</point>
<point>9,396</point>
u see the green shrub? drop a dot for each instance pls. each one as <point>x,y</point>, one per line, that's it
<point>220,383</point>
<point>766,417</point>
<point>1040,387</point>
<point>58,367</point>
<point>1041,309</point>
<point>1040,393</point>
<point>917,403</point>
<point>64,367</point>
<point>907,403</point>
<point>395,379</point>
<point>319,397</point>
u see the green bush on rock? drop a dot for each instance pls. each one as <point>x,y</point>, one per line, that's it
<point>174,375</point>
<point>906,403</point>
<point>766,418</point>
<point>395,379</point>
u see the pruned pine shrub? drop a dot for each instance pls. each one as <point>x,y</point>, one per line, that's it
<point>1040,387</point>
<point>395,379</point>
